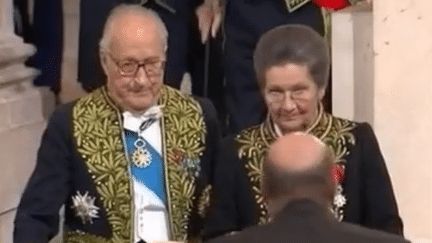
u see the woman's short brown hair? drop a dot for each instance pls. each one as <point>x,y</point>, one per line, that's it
<point>295,44</point>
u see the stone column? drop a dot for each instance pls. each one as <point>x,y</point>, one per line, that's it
<point>21,119</point>
<point>353,63</point>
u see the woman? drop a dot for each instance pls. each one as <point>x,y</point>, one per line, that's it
<point>292,66</point>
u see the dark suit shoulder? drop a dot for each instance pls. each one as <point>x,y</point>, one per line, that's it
<point>251,234</point>
<point>209,110</point>
<point>62,112</point>
<point>363,234</point>
<point>363,129</point>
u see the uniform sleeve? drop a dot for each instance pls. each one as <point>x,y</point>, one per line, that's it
<point>37,217</point>
<point>381,211</point>
<point>233,206</point>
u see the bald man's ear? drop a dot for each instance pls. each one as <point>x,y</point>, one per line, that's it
<point>104,61</point>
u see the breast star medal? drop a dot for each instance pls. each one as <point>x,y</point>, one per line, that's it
<point>84,207</point>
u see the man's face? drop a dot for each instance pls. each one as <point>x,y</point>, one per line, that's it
<point>134,40</point>
<point>291,97</point>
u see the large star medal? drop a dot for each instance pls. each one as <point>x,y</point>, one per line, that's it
<point>84,207</point>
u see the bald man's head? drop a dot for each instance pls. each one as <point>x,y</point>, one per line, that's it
<point>296,152</point>
<point>298,165</point>
<point>129,16</point>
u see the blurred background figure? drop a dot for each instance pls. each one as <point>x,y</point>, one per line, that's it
<point>41,23</point>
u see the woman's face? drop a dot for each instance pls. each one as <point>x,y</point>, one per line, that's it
<point>291,96</point>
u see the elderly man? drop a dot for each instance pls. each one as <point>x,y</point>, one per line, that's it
<point>298,186</point>
<point>130,161</point>
<point>292,66</point>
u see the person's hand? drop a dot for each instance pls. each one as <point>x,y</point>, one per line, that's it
<point>209,18</point>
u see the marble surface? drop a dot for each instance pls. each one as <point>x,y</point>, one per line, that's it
<point>382,73</point>
<point>403,106</point>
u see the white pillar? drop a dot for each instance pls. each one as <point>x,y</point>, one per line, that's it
<point>6,24</point>
<point>21,119</point>
<point>352,63</point>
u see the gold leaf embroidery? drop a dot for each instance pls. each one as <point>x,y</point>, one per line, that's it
<point>253,145</point>
<point>98,135</point>
<point>184,133</point>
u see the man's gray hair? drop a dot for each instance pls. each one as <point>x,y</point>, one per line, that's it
<point>130,9</point>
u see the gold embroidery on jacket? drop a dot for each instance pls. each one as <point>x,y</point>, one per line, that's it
<point>204,201</point>
<point>98,137</point>
<point>253,144</point>
<point>97,131</point>
<point>184,132</point>
<point>293,5</point>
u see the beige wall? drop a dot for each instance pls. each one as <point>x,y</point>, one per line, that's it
<point>403,105</point>
<point>390,85</point>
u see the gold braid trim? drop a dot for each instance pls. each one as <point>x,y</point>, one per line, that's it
<point>204,201</point>
<point>293,5</point>
<point>184,133</point>
<point>335,133</point>
<point>97,131</point>
<point>80,237</point>
<point>253,144</point>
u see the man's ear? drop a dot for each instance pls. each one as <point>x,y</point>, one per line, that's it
<point>104,61</point>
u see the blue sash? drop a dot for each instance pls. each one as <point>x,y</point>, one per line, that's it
<point>151,176</point>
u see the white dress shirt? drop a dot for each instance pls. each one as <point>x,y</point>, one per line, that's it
<point>151,215</point>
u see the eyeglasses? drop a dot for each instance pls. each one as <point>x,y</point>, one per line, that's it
<point>130,67</point>
<point>279,96</point>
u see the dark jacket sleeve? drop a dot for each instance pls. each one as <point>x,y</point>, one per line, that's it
<point>381,211</point>
<point>37,217</point>
<point>48,39</point>
<point>208,161</point>
<point>233,206</point>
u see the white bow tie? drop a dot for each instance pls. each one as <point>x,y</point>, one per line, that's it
<point>140,122</point>
<point>155,112</point>
<point>151,115</point>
